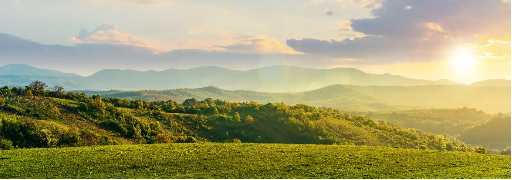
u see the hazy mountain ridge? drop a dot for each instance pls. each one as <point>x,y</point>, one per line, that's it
<point>23,69</point>
<point>265,79</point>
<point>493,82</point>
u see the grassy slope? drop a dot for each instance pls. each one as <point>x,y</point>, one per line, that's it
<point>230,160</point>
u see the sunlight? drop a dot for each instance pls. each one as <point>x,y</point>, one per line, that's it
<point>464,60</point>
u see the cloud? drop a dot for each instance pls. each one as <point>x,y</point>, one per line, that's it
<point>328,12</point>
<point>145,2</point>
<point>251,43</point>
<point>194,30</point>
<point>87,58</point>
<point>108,34</point>
<point>415,30</point>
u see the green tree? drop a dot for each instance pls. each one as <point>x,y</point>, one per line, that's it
<point>249,119</point>
<point>38,86</point>
<point>236,118</point>
<point>28,93</point>
<point>190,102</point>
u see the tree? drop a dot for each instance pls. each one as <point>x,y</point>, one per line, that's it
<point>237,117</point>
<point>58,90</point>
<point>98,103</point>
<point>190,102</point>
<point>249,119</point>
<point>28,93</point>
<point>38,86</point>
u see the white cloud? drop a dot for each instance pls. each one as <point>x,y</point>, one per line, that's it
<point>108,34</point>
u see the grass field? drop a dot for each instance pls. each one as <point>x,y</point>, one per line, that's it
<point>232,160</point>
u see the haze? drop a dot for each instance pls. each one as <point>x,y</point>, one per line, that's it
<point>462,41</point>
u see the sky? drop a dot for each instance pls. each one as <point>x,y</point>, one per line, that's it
<point>459,40</point>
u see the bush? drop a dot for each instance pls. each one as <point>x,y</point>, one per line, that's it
<point>187,139</point>
<point>482,150</point>
<point>234,141</point>
<point>163,138</point>
<point>6,144</point>
<point>505,151</point>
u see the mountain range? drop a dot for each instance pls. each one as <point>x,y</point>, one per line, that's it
<point>265,79</point>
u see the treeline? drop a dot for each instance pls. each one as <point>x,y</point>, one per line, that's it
<point>35,117</point>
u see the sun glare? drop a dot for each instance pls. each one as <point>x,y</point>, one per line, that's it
<point>464,60</point>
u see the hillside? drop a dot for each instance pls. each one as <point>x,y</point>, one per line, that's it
<point>493,82</point>
<point>351,98</point>
<point>70,82</point>
<point>251,161</point>
<point>23,69</point>
<point>265,79</point>
<point>494,133</point>
<point>440,121</point>
<point>31,118</point>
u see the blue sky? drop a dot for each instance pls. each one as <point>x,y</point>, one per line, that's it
<point>460,40</point>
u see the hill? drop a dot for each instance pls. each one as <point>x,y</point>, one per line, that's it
<point>351,98</point>
<point>439,121</point>
<point>493,82</point>
<point>32,118</point>
<point>251,161</point>
<point>265,79</point>
<point>23,69</point>
<point>494,133</point>
<point>70,82</point>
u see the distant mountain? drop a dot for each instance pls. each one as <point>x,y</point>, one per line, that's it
<point>70,83</point>
<point>350,97</point>
<point>493,82</point>
<point>23,69</point>
<point>266,79</point>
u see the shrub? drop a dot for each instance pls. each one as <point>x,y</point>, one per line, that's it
<point>187,139</point>
<point>163,138</point>
<point>234,141</point>
<point>89,137</point>
<point>482,150</point>
<point>505,151</point>
<point>6,144</point>
<point>249,119</point>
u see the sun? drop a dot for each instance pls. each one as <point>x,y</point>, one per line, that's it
<point>464,60</point>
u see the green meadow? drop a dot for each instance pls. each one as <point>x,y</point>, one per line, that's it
<point>247,160</point>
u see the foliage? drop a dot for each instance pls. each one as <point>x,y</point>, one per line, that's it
<point>440,121</point>
<point>6,144</point>
<point>494,133</point>
<point>505,151</point>
<point>51,119</point>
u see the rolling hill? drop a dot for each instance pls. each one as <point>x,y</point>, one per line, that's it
<point>51,119</point>
<point>494,133</point>
<point>26,70</point>
<point>350,97</point>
